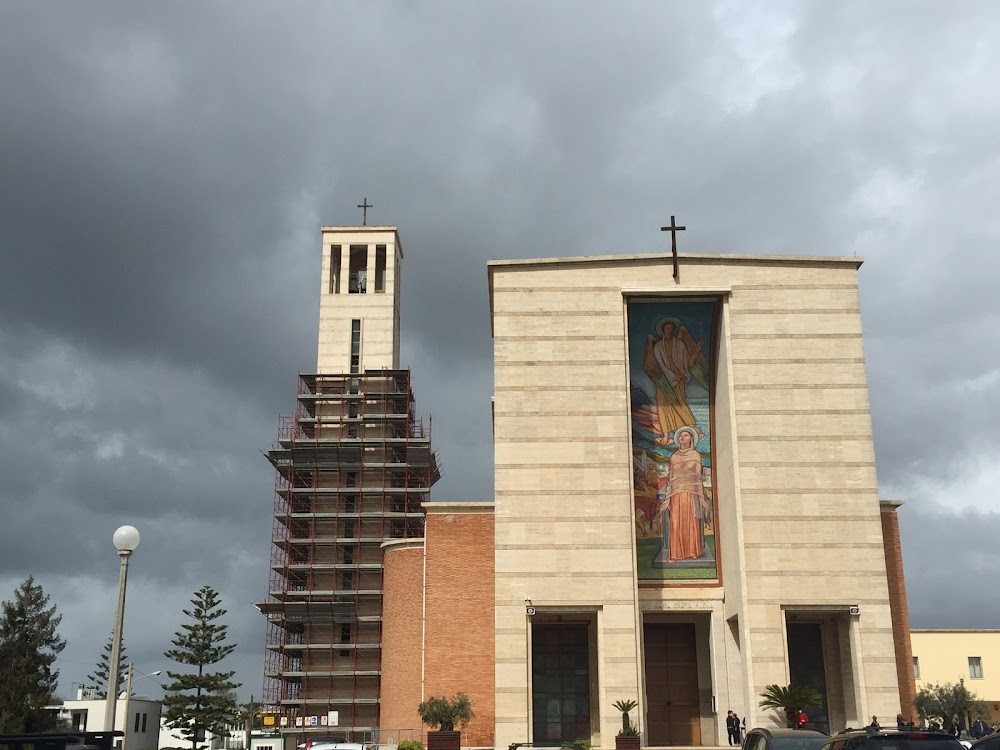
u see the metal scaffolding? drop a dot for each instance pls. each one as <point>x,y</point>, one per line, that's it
<point>353,467</point>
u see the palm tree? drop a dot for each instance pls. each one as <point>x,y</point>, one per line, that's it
<point>790,699</point>
<point>625,706</point>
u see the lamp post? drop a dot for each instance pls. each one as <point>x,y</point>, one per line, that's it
<point>126,539</point>
<point>251,715</point>
<point>127,695</point>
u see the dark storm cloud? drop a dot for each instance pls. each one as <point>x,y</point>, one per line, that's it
<point>164,170</point>
<point>950,562</point>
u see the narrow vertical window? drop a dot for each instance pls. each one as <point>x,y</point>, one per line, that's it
<point>355,346</point>
<point>144,723</point>
<point>916,668</point>
<point>138,718</point>
<point>335,269</point>
<point>976,667</point>
<point>380,268</point>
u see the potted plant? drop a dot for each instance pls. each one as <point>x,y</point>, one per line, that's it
<point>790,699</point>
<point>441,715</point>
<point>628,735</point>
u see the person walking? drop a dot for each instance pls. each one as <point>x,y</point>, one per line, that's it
<point>733,728</point>
<point>978,728</point>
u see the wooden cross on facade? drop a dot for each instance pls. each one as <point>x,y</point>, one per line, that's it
<point>365,205</point>
<point>674,229</point>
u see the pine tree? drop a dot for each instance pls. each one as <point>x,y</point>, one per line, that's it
<point>29,644</point>
<point>197,703</point>
<point>99,679</point>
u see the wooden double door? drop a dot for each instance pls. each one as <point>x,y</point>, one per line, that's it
<point>673,714</point>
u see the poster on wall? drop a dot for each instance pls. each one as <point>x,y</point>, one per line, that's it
<point>671,376</point>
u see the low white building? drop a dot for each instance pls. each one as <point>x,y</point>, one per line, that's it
<point>234,738</point>
<point>137,717</point>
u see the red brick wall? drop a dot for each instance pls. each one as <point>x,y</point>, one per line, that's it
<point>900,614</point>
<point>402,587</point>
<point>459,616</point>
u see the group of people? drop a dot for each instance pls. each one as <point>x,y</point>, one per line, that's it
<point>735,729</point>
<point>977,729</point>
<point>980,729</point>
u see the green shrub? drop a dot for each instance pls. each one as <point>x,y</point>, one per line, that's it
<point>410,745</point>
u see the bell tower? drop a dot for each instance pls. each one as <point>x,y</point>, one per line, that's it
<point>353,469</point>
<point>359,300</point>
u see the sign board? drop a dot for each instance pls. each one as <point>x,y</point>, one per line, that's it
<point>298,721</point>
<point>283,721</point>
<point>333,718</point>
<point>314,721</point>
<point>268,720</point>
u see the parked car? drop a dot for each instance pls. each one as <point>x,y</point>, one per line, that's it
<point>989,742</point>
<point>329,743</point>
<point>761,738</point>
<point>892,739</point>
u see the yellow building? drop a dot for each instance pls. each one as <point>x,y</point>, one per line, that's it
<point>950,656</point>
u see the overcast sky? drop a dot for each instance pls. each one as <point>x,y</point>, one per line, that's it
<point>164,170</point>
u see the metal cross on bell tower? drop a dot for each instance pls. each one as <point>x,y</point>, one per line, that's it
<point>674,229</point>
<point>365,205</point>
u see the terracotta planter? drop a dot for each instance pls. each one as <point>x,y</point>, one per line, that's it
<point>440,740</point>
<point>622,742</point>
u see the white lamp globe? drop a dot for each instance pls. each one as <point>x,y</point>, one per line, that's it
<point>126,538</point>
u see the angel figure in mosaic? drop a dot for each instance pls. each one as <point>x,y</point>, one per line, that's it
<point>671,362</point>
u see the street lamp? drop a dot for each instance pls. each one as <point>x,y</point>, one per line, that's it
<point>126,539</point>
<point>127,695</point>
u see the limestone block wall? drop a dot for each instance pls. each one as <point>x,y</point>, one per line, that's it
<point>812,535</point>
<point>802,500</point>
<point>563,509</point>
<point>378,311</point>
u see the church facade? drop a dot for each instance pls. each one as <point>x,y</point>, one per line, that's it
<point>686,499</point>
<point>686,511</point>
